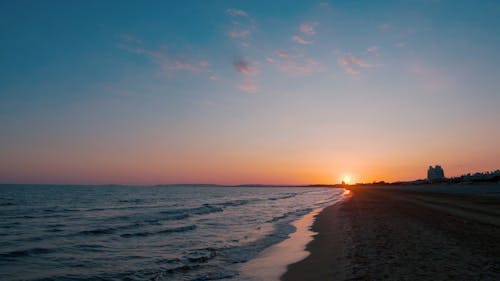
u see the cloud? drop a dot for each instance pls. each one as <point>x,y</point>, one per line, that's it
<point>307,28</point>
<point>300,67</point>
<point>239,33</point>
<point>242,25</point>
<point>245,67</point>
<point>351,71</point>
<point>282,54</point>
<point>373,50</point>
<point>300,40</point>
<point>236,13</point>
<point>167,61</point>
<point>294,63</point>
<point>248,85</point>
<point>352,64</point>
<point>179,65</point>
<point>249,70</point>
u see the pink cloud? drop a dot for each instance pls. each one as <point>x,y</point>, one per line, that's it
<point>249,70</point>
<point>300,40</point>
<point>245,67</point>
<point>282,54</point>
<point>352,64</point>
<point>248,85</point>
<point>307,28</point>
<point>300,67</point>
<point>167,62</point>
<point>351,71</point>
<point>294,63</point>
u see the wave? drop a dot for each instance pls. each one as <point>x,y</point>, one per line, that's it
<point>100,231</point>
<point>164,231</point>
<point>240,202</point>
<point>7,204</point>
<point>292,213</point>
<point>286,196</point>
<point>26,253</point>
<point>202,210</point>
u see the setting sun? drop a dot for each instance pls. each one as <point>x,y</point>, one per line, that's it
<point>346,180</point>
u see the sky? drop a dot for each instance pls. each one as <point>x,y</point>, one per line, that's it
<point>235,92</point>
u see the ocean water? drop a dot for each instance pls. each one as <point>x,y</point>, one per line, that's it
<point>144,233</point>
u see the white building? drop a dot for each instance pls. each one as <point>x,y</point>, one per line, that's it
<point>435,173</point>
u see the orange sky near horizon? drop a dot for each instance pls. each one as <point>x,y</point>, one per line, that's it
<point>110,165</point>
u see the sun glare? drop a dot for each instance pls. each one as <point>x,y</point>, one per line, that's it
<point>346,180</point>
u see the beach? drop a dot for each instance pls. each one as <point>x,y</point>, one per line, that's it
<point>387,233</point>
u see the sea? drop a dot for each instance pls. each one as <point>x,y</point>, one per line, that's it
<point>174,232</point>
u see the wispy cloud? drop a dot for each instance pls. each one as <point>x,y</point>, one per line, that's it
<point>248,85</point>
<point>249,70</point>
<point>374,50</point>
<point>242,25</point>
<point>282,54</point>
<point>352,64</point>
<point>236,13</point>
<point>294,63</point>
<point>168,62</point>
<point>234,33</point>
<point>307,28</point>
<point>300,40</point>
<point>300,66</point>
<point>178,65</point>
<point>306,32</point>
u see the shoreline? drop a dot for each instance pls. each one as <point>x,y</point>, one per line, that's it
<point>273,262</point>
<point>396,234</point>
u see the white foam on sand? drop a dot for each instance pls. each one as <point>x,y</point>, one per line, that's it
<point>273,261</point>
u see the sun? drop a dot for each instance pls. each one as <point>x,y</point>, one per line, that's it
<point>346,180</point>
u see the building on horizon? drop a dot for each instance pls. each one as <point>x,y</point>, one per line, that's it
<point>435,174</point>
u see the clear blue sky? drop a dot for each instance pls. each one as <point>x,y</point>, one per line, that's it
<point>247,91</point>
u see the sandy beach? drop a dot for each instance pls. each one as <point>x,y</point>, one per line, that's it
<point>394,234</point>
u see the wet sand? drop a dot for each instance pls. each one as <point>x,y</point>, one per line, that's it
<point>272,263</point>
<point>393,234</point>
